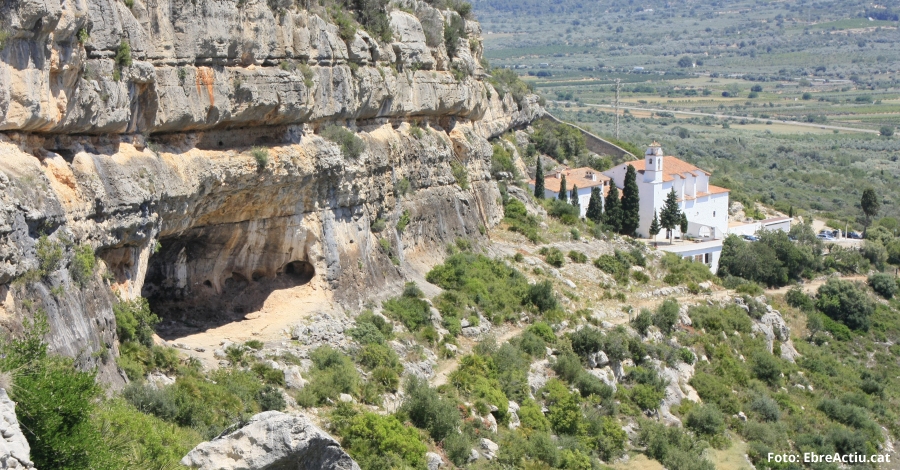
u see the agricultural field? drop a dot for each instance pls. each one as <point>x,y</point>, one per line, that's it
<point>785,102</point>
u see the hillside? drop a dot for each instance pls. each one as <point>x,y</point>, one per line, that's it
<point>267,235</point>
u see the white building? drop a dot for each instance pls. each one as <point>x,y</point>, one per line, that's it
<point>752,228</point>
<point>705,205</point>
<point>584,178</point>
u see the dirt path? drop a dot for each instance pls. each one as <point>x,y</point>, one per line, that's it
<point>811,286</point>
<point>445,367</point>
<point>281,310</point>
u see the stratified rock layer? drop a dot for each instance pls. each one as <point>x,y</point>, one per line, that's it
<point>199,175</point>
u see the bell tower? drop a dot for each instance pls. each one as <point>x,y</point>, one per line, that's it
<point>653,164</point>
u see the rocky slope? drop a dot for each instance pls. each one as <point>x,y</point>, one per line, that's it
<point>150,164</point>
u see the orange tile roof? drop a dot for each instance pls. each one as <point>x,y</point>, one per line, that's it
<point>578,177</point>
<point>672,167</point>
<point>717,190</point>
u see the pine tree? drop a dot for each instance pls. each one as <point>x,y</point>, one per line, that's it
<point>631,203</point>
<point>654,226</point>
<point>539,180</point>
<point>595,206</point>
<point>563,195</point>
<point>671,214</point>
<point>612,210</point>
<point>573,196</point>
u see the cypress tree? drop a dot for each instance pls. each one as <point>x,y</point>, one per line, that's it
<point>595,206</point>
<point>539,180</point>
<point>684,225</point>
<point>563,195</point>
<point>631,203</point>
<point>654,226</point>
<point>573,196</point>
<point>671,214</point>
<point>612,211</point>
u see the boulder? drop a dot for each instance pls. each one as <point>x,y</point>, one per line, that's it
<point>434,461</point>
<point>513,412</point>
<point>272,441</point>
<point>293,379</point>
<point>489,448</point>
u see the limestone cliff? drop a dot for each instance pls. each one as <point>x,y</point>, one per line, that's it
<point>150,164</point>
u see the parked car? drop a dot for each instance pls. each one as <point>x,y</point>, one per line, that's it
<point>825,236</point>
<point>855,235</point>
<point>750,238</point>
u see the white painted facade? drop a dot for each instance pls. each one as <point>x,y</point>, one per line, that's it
<point>584,197</point>
<point>707,252</point>
<point>706,206</point>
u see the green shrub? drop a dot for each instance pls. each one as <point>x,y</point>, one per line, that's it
<point>123,54</point>
<point>475,281</point>
<point>682,271</point>
<point>520,221</point>
<point>83,264</point>
<point>135,321</point>
<point>460,174</point>
<point>554,257</point>
<point>371,329</point>
<point>611,264</point>
<point>666,315</point>
<point>375,355</point>
<point>766,408</point>
<point>458,448</point>
<point>254,344</point>
<point>706,420</point>
<point>4,38</point>
<point>413,312</point>
<point>565,212</point>
<point>378,442</point>
<point>427,410</point>
<point>642,321</point>
<point>378,225</point>
<point>403,221</point>
<point>673,447</point>
<point>261,155</point>
<point>845,302</point>
<point>883,284</point>
<point>333,373</point>
<point>541,296</point>
<point>766,368</point>
<point>345,24</point>
<point>268,374</point>
<point>577,256</point>
<point>543,331</point>
<point>716,319</point>
<point>351,145</point>
<point>143,441</point>
<point>795,297</point>
<point>453,31</point>
<point>49,255</point>
<point>269,398</point>
<point>712,390</point>
<point>502,162</point>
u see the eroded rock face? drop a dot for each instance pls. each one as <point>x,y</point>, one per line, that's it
<point>154,171</point>
<point>14,449</point>
<point>209,65</point>
<point>272,441</point>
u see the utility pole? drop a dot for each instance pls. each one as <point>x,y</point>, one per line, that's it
<point>617,109</point>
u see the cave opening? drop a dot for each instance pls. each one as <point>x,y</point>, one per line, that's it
<point>187,286</point>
